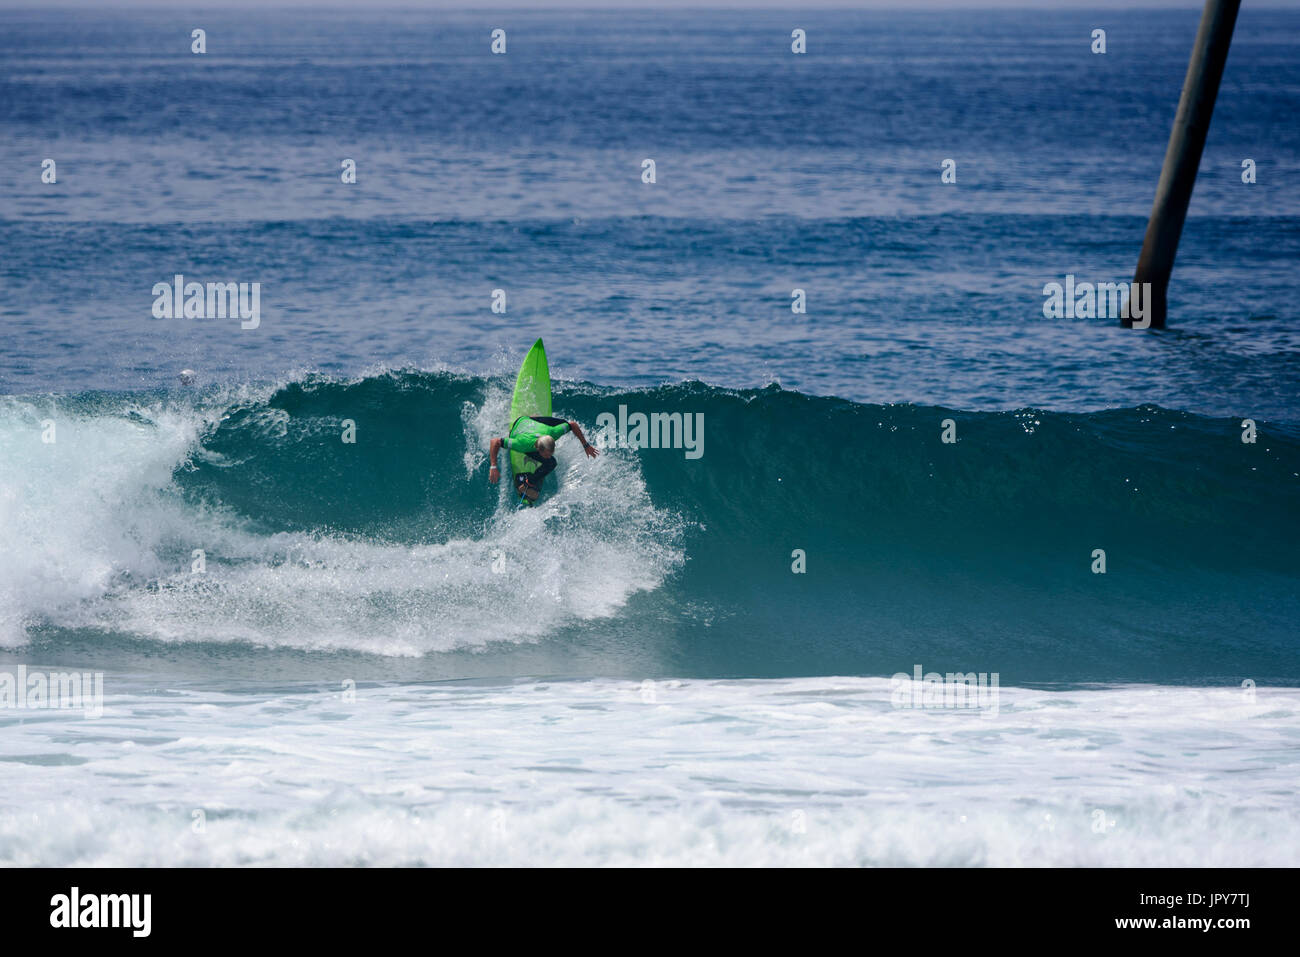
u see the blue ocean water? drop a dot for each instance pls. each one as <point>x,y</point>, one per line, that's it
<point>391,562</point>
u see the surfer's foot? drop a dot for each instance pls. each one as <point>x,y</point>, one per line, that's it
<point>526,490</point>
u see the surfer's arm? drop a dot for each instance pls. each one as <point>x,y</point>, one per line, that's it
<point>493,474</point>
<point>586,446</point>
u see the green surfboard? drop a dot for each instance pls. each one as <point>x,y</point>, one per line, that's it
<point>532,397</point>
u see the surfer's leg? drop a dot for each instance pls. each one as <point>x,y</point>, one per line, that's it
<point>527,486</point>
<point>547,419</point>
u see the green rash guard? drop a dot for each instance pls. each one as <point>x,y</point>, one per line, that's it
<point>526,431</point>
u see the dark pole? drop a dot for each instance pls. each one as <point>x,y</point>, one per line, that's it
<point>1178,175</point>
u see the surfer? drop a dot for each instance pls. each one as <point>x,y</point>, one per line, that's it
<point>533,436</point>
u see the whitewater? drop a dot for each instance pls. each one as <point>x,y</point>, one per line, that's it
<point>813,771</point>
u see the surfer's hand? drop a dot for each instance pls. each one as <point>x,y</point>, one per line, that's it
<point>494,474</point>
<point>590,450</point>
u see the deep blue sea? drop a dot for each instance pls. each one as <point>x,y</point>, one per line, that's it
<point>700,694</point>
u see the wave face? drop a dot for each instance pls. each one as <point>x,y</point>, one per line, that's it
<point>394,550</point>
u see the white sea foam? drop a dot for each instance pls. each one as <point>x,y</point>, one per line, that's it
<point>815,771</point>
<point>77,512</point>
<point>94,534</point>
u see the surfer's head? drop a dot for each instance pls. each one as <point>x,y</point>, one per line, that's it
<point>546,446</point>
